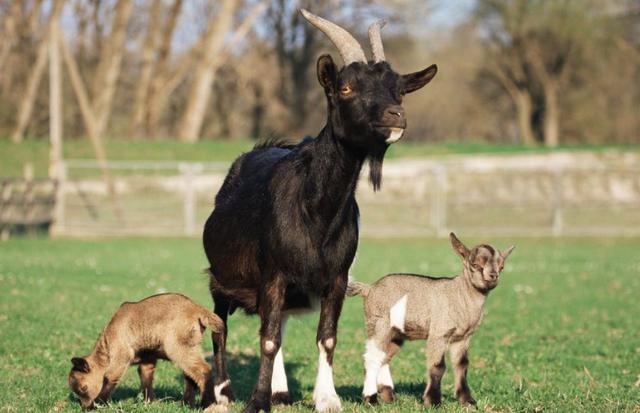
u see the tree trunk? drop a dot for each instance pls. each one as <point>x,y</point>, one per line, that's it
<point>524,108</point>
<point>9,38</point>
<point>148,51</point>
<point>55,99</point>
<point>155,101</point>
<point>33,83</point>
<point>551,115</point>
<point>31,91</point>
<point>200,91</point>
<point>109,66</point>
<point>90,121</point>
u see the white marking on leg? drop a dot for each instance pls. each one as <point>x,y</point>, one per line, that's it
<point>373,358</point>
<point>269,346</point>
<point>398,312</point>
<point>217,390</point>
<point>384,376</point>
<point>279,376</point>
<point>324,394</point>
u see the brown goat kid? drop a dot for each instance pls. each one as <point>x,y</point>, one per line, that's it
<point>446,311</point>
<point>163,326</point>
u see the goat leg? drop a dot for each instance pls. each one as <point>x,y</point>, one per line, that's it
<point>145,371</point>
<point>271,304</point>
<point>222,383</point>
<point>324,395</point>
<point>460,361</point>
<point>435,357</point>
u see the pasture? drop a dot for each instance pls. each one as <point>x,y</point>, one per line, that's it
<point>561,331</point>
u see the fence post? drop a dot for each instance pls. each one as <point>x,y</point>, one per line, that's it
<point>439,200</point>
<point>557,224</point>
<point>59,200</point>
<point>188,173</point>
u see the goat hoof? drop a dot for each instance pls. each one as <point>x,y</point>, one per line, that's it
<point>224,393</point>
<point>326,403</point>
<point>189,400</point>
<point>432,401</point>
<point>372,399</point>
<point>256,405</point>
<point>386,393</point>
<point>282,398</point>
<point>216,408</point>
<point>467,401</point>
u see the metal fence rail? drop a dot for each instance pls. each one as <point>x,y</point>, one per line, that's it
<point>549,195</point>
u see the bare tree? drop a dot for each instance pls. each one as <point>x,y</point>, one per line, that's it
<point>214,54</point>
<point>148,50</point>
<point>213,40</point>
<point>534,45</point>
<point>33,82</point>
<point>9,35</point>
<point>109,66</point>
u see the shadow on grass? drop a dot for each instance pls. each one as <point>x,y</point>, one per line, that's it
<point>243,369</point>
<point>353,393</point>
<point>122,393</point>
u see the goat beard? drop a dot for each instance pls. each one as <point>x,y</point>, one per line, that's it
<point>376,157</point>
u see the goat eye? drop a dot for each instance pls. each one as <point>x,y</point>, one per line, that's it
<point>346,90</point>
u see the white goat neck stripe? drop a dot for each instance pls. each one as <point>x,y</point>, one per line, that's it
<point>395,135</point>
<point>398,313</point>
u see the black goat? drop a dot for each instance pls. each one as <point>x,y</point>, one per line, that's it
<point>284,230</point>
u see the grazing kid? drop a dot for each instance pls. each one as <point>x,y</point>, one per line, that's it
<point>446,311</point>
<point>164,326</point>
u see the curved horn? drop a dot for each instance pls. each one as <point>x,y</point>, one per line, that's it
<point>376,41</point>
<point>347,45</point>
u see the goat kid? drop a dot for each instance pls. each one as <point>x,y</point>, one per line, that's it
<point>164,326</point>
<point>444,311</point>
<point>284,230</point>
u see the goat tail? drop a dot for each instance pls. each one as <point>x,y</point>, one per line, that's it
<point>357,288</point>
<point>211,321</point>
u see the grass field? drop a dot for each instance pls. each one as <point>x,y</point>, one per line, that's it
<point>14,156</point>
<point>561,333</point>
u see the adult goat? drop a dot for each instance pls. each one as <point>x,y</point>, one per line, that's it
<point>284,230</point>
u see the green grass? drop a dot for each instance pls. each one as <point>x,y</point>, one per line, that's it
<point>14,156</point>
<point>560,332</point>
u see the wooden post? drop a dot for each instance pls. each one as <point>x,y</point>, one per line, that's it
<point>188,173</point>
<point>439,201</point>
<point>55,100</point>
<point>557,224</point>
<point>59,207</point>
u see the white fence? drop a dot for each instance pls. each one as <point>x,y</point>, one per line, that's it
<point>523,195</point>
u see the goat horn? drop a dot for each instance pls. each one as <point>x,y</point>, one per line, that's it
<point>348,47</point>
<point>375,39</point>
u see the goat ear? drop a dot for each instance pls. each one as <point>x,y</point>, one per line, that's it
<point>414,81</point>
<point>327,72</point>
<point>458,246</point>
<point>80,364</point>
<point>507,252</point>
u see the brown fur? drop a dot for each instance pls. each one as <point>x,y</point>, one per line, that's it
<point>164,326</point>
<point>446,311</point>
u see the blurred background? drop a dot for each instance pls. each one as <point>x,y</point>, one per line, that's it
<point>122,116</point>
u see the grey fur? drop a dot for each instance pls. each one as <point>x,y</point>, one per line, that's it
<point>375,40</point>
<point>446,311</point>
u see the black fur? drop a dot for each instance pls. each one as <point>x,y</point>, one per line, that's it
<point>285,224</point>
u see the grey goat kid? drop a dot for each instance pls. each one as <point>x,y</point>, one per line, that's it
<point>446,311</point>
